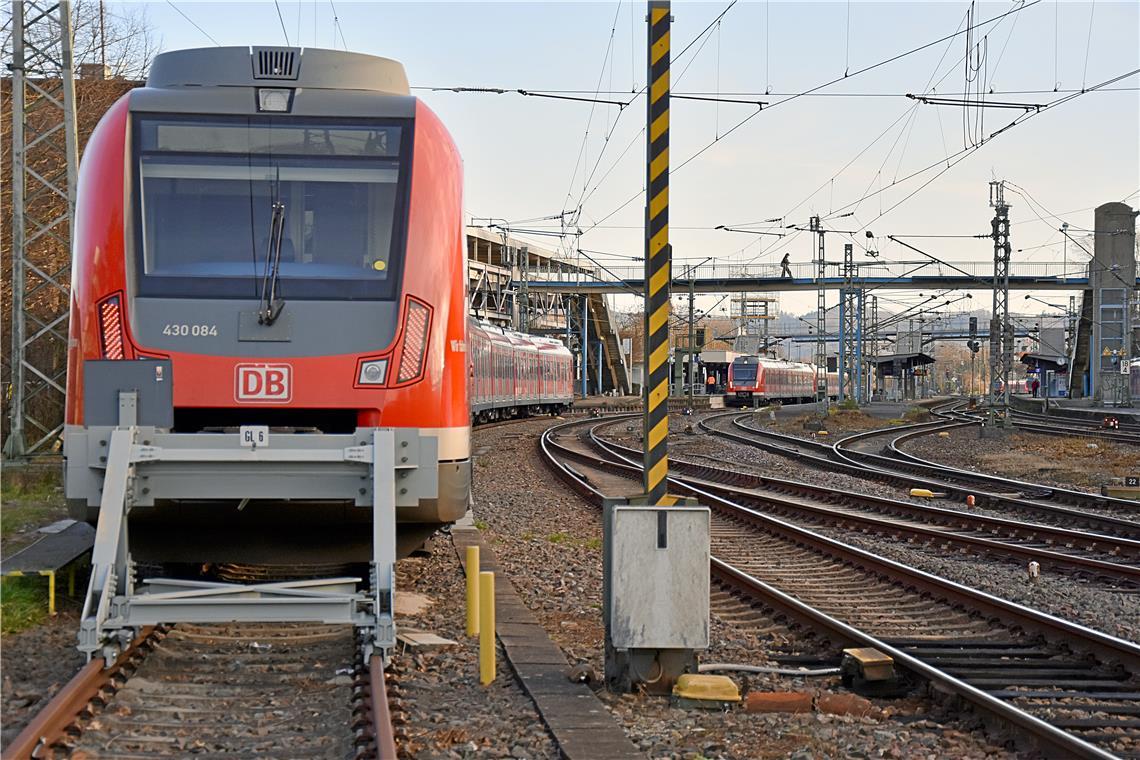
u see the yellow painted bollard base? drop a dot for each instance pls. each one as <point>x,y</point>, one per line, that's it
<point>486,627</point>
<point>472,590</point>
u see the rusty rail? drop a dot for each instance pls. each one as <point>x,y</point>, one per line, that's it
<point>50,723</point>
<point>381,716</point>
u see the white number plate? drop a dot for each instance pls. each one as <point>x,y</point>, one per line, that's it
<point>254,435</point>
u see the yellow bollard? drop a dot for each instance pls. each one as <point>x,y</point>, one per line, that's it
<point>51,590</point>
<point>472,590</point>
<point>486,627</point>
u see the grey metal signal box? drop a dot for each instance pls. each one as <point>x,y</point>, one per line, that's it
<point>656,593</point>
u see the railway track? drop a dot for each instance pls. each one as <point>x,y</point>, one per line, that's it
<point>857,455</point>
<point>211,690</point>
<point>953,418</point>
<point>1038,423</point>
<point>1111,559</point>
<point>1072,689</point>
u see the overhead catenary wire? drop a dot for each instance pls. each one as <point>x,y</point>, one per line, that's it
<point>828,83</point>
<point>193,23</point>
<point>960,155</point>
<point>337,27</point>
<point>1088,44</point>
<point>281,18</point>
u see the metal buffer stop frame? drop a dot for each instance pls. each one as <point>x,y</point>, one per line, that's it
<point>122,459</point>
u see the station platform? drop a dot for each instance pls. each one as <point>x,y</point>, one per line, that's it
<point>1081,409</point>
<point>59,546</point>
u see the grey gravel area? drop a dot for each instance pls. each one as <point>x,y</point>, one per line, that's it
<point>1115,613</point>
<point>549,541</point>
<point>1079,463</point>
<point>447,713</point>
<point>35,664</point>
<point>711,449</point>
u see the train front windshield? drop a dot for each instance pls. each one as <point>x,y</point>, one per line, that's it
<point>218,196</point>
<point>743,373</point>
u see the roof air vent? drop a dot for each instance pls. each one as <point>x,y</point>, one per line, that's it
<point>276,63</point>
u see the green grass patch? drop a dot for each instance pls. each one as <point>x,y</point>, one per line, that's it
<point>480,525</point>
<point>31,497</point>
<point>566,538</point>
<point>23,603</point>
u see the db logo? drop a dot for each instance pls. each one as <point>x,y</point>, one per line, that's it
<point>267,383</point>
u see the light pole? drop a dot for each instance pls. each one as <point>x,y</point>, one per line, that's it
<point>1065,250</point>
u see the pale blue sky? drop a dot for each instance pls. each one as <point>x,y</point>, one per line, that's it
<point>521,153</point>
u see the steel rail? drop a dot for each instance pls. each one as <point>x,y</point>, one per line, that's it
<point>733,484</point>
<point>1110,647</point>
<point>1023,422</point>
<point>49,725</point>
<point>1050,738</point>
<point>382,728</point>
<point>940,472</point>
<point>785,445</point>
<point>1068,495</point>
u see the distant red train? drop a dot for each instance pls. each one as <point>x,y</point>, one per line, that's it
<point>757,380</point>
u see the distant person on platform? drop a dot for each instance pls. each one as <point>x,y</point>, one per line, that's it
<point>710,385</point>
<point>787,271</point>
<point>1036,387</point>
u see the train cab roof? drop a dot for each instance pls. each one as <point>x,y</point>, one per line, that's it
<point>286,66</point>
<point>519,340</point>
<point>275,81</point>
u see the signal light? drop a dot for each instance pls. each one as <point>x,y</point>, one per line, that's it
<point>416,322</point>
<point>111,328</point>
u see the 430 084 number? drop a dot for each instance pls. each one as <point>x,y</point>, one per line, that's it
<point>190,331</point>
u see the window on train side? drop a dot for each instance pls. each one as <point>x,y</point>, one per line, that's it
<point>209,187</point>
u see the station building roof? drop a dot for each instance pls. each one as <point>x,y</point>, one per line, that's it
<point>886,364</point>
<point>1051,362</point>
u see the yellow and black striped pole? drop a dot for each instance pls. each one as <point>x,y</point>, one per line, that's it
<point>658,255</point>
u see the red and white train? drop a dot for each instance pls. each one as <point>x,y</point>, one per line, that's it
<point>515,375</point>
<point>278,235</point>
<point>757,380</point>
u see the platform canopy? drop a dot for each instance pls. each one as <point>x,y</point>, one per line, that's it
<point>885,365</point>
<point>1048,362</point>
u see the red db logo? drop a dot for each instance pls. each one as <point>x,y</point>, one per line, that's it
<point>267,383</point>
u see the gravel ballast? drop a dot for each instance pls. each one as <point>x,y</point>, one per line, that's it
<point>1113,612</point>
<point>549,541</point>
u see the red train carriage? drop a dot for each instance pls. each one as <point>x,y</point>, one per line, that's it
<point>515,375</point>
<point>756,380</point>
<point>281,231</point>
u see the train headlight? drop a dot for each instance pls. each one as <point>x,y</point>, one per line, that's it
<point>274,99</point>
<point>373,372</point>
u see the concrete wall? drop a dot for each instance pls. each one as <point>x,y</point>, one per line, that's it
<point>1112,278</point>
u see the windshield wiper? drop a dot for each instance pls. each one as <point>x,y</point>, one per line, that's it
<point>270,306</point>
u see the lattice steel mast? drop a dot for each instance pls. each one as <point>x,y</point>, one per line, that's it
<point>850,329</point>
<point>820,315</point>
<point>43,204</point>
<point>1001,333</point>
